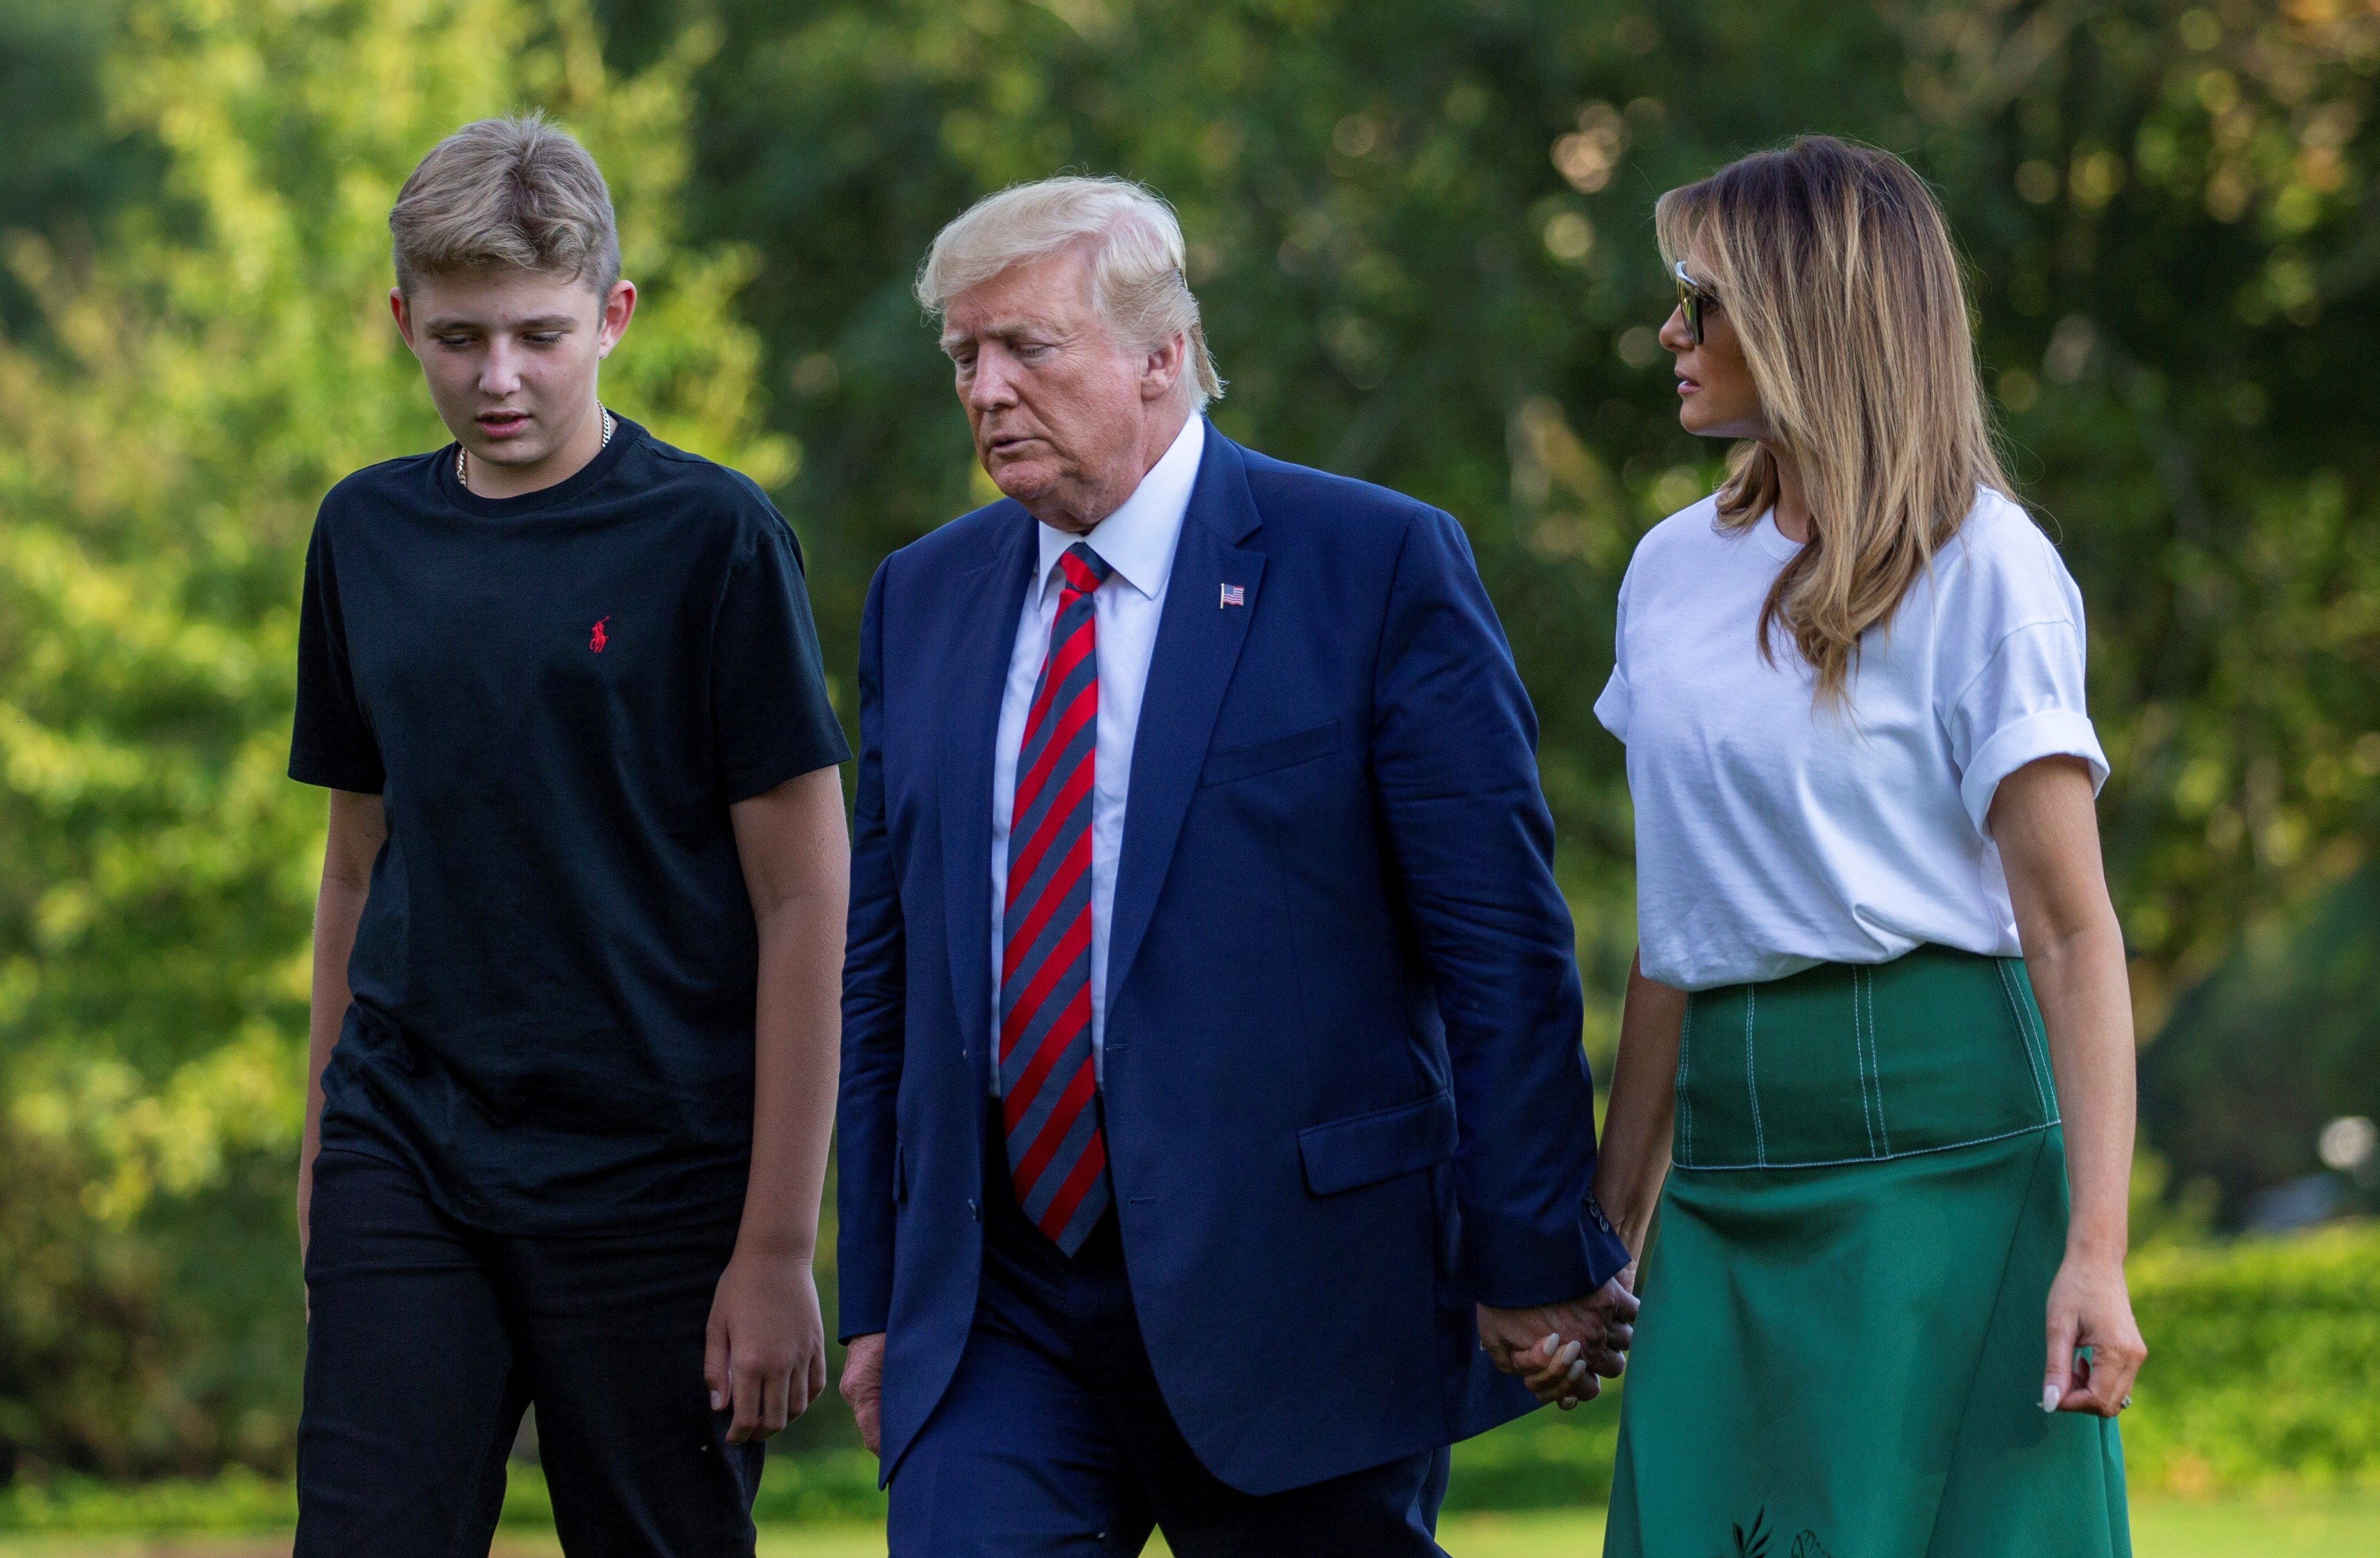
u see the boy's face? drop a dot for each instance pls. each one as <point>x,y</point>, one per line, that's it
<point>511,356</point>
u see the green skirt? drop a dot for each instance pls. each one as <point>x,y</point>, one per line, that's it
<point>1841,1351</point>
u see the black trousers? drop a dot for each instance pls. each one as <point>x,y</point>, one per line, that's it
<point>426,1341</point>
<point>1053,1439</point>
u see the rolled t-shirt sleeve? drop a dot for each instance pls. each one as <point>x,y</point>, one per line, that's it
<point>331,741</point>
<point>770,710</point>
<point>1613,706</point>
<point>2025,703</point>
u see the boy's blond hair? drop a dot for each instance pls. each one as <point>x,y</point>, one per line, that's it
<point>517,192</point>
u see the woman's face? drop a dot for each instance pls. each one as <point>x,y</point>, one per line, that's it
<point>1716,397</point>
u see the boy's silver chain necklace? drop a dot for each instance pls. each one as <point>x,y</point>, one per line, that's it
<point>463,470</point>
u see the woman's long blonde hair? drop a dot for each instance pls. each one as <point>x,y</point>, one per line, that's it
<point>1835,266</point>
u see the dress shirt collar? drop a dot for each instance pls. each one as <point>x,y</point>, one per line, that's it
<point>1137,540</point>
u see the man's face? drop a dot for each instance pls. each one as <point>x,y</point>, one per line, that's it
<point>511,356</point>
<point>1062,412</point>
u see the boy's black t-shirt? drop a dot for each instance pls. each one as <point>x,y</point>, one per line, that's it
<point>557,697</point>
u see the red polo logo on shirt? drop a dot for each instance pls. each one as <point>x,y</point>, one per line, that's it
<point>599,638</point>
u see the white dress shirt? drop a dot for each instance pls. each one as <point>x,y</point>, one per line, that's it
<point>1137,541</point>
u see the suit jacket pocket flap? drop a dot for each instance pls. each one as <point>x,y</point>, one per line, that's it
<point>1274,751</point>
<point>1366,1148</point>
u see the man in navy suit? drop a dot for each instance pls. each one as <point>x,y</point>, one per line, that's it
<point>1214,1123</point>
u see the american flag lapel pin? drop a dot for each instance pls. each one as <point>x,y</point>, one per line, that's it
<point>1234,595</point>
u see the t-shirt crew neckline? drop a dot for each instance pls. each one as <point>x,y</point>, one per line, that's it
<point>1774,541</point>
<point>623,433</point>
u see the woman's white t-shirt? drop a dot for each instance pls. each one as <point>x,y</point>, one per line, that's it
<point>1771,835</point>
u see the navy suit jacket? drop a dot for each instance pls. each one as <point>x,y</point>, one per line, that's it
<point>1344,1094</point>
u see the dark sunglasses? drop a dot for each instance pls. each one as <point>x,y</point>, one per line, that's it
<point>1693,300</point>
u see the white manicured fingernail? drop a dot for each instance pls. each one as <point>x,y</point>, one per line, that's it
<point>2049,1394</point>
<point>1553,1340</point>
<point>1578,1371</point>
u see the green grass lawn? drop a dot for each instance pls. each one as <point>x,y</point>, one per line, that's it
<point>2304,1527</point>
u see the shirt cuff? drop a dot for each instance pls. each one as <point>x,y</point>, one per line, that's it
<point>1513,1266</point>
<point>2052,733</point>
<point>862,1308</point>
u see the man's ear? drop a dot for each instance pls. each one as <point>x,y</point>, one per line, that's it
<point>403,318</point>
<point>619,307</point>
<point>1162,370</point>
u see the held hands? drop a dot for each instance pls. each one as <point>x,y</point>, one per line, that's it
<point>2089,1307</point>
<point>764,1353</point>
<point>863,1387</point>
<point>1560,1349</point>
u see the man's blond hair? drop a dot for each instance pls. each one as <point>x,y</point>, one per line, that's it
<point>1136,261</point>
<point>518,193</point>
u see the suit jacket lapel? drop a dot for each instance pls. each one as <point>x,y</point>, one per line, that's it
<point>1198,641</point>
<point>990,602</point>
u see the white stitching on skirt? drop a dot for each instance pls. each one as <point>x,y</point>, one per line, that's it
<point>1859,1058</point>
<point>2026,1029</point>
<point>1875,1054</point>
<point>1685,1099</point>
<point>1751,1079</point>
<point>1855,1162</point>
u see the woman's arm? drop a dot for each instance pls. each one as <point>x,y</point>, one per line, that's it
<point>2048,835</point>
<point>1635,1156</point>
<point>351,842</point>
<point>766,1350</point>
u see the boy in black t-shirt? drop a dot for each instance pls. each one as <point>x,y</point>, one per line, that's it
<point>577,951</point>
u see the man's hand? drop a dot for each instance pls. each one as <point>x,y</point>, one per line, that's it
<point>1561,1349</point>
<point>764,1353</point>
<point>863,1387</point>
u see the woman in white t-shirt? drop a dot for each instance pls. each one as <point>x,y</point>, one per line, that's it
<point>1850,687</point>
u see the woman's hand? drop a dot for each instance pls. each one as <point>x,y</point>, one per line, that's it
<point>2089,1306</point>
<point>1559,1349</point>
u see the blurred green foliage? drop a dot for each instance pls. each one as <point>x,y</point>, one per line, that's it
<point>1421,232</point>
<point>235,1501</point>
<point>2264,1364</point>
<point>2276,1043</point>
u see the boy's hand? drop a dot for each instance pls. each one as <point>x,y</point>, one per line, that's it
<point>764,1352</point>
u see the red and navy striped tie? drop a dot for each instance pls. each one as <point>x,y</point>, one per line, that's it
<point>1047,1089</point>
